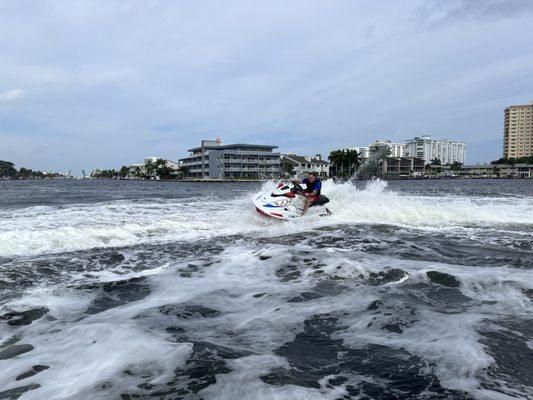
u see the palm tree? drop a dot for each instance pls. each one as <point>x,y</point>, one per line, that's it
<point>149,167</point>
<point>342,160</point>
<point>288,168</point>
<point>184,170</point>
<point>7,169</point>
<point>124,171</point>
<point>435,165</point>
<point>161,168</point>
<point>456,166</point>
<point>352,157</point>
<point>336,159</point>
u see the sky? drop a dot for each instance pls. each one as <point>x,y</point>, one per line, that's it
<point>99,84</point>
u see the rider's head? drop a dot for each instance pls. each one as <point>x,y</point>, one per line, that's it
<point>311,177</point>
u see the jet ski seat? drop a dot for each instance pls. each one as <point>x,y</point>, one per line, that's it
<point>321,201</point>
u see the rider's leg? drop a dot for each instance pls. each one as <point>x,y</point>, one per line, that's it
<point>307,204</point>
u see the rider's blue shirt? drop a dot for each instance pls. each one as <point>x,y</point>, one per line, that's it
<point>311,187</point>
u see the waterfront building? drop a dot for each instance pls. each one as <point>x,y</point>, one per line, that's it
<point>302,165</point>
<point>445,150</point>
<point>213,160</point>
<point>396,149</point>
<point>402,167</point>
<point>142,170</point>
<point>518,131</point>
<point>136,170</point>
<point>497,171</point>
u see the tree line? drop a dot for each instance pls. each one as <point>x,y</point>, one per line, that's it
<point>513,161</point>
<point>8,171</point>
<point>150,169</point>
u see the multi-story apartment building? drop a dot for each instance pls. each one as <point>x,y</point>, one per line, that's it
<point>396,149</point>
<point>212,160</point>
<point>518,131</point>
<point>445,150</point>
<point>402,167</point>
<point>303,165</point>
<point>497,171</point>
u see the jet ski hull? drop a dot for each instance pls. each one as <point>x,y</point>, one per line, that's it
<point>283,204</point>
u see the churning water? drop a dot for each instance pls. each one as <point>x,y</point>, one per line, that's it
<point>137,290</point>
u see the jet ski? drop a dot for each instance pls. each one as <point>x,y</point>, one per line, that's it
<point>287,203</point>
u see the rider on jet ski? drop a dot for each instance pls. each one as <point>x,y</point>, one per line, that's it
<point>312,190</point>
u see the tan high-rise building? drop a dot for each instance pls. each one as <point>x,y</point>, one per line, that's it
<point>518,131</point>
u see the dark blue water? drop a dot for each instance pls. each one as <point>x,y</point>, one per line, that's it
<point>172,290</point>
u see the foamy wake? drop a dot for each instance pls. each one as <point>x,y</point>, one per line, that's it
<point>40,230</point>
<point>88,356</point>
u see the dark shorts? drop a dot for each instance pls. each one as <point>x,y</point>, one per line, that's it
<point>314,199</point>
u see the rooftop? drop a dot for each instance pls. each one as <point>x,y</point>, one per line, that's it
<point>521,105</point>
<point>426,137</point>
<point>523,165</point>
<point>232,146</point>
<point>304,160</point>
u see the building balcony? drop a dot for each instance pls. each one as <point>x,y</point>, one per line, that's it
<point>190,161</point>
<point>250,152</point>
<point>250,170</point>
<point>250,161</point>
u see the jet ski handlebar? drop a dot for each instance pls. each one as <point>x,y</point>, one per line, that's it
<point>298,187</point>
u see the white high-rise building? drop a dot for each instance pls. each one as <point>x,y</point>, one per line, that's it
<point>447,151</point>
<point>396,149</point>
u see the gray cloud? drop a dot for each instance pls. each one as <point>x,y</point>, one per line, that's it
<point>439,12</point>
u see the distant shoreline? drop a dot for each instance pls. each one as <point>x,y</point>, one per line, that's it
<point>259,180</point>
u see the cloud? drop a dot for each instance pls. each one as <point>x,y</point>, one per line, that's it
<point>438,12</point>
<point>156,78</point>
<point>11,95</point>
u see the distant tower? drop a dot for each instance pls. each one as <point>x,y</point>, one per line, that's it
<point>518,131</point>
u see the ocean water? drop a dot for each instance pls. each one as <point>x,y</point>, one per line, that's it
<point>166,290</point>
